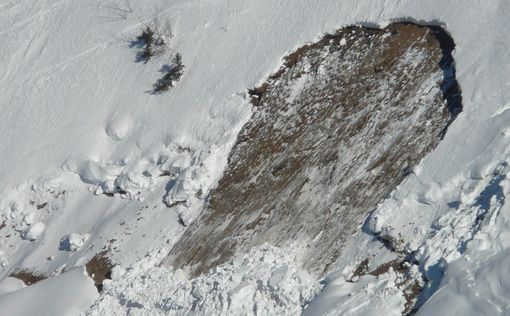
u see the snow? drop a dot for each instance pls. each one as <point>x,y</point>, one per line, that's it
<point>67,294</point>
<point>365,296</point>
<point>34,231</point>
<point>266,281</point>
<point>473,286</point>
<point>9,285</point>
<point>74,242</point>
<point>76,120</point>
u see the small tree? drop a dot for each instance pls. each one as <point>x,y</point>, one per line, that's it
<point>172,75</point>
<point>147,36</point>
<point>154,39</point>
<point>147,40</point>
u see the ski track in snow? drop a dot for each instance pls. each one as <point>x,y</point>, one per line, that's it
<point>69,84</point>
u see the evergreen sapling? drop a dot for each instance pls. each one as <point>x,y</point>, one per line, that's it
<point>173,75</point>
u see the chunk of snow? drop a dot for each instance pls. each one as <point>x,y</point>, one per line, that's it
<point>272,287</point>
<point>73,242</point>
<point>183,188</point>
<point>34,231</point>
<point>29,219</point>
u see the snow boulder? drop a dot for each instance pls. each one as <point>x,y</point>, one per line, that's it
<point>34,232</point>
<point>73,242</point>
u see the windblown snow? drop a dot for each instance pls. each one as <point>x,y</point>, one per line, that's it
<point>91,160</point>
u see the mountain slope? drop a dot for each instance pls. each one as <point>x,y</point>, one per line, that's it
<point>333,132</point>
<point>77,122</point>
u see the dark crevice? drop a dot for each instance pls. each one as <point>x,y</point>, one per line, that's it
<point>450,87</point>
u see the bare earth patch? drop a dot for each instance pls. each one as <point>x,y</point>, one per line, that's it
<point>99,268</point>
<point>335,130</point>
<point>28,277</point>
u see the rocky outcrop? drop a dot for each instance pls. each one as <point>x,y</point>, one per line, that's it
<point>333,131</point>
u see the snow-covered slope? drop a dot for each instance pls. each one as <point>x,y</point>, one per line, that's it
<point>67,294</point>
<point>76,120</point>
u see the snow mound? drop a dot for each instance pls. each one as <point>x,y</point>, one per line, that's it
<point>67,294</point>
<point>477,285</point>
<point>369,295</point>
<point>10,284</point>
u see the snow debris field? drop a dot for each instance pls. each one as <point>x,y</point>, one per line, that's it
<point>265,281</point>
<point>107,188</point>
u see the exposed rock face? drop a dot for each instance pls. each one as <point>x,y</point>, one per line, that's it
<point>333,132</point>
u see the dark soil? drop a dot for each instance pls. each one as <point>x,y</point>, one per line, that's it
<point>28,277</point>
<point>334,131</point>
<point>99,268</point>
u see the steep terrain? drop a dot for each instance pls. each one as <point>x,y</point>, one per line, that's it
<point>333,132</point>
<point>100,176</point>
